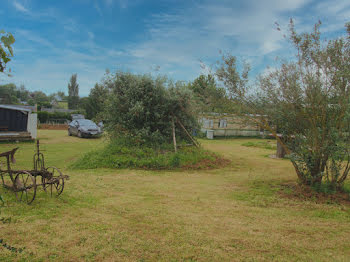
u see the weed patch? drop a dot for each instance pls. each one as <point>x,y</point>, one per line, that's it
<point>269,144</point>
<point>120,155</point>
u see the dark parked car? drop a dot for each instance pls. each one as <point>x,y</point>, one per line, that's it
<point>84,128</point>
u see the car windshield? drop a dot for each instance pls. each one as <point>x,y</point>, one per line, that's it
<point>86,122</point>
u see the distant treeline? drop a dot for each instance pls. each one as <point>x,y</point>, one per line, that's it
<point>61,117</point>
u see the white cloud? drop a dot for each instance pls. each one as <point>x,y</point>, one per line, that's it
<point>109,2</point>
<point>176,41</point>
<point>91,35</point>
<point>98,8</point>
<point>33,37</point>
<point>20,7</point>
<point>122,3</point>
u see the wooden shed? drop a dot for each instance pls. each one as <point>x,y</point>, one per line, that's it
<point>17,123</point>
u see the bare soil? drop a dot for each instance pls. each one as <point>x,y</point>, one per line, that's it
<point>207,164</point>
<point>53,127</point>
<point>305,193</point>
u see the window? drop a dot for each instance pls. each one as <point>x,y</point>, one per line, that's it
<point>222,123</point>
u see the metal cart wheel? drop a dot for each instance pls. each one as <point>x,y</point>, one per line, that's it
<point>25,187</point>
<point>55,184</point>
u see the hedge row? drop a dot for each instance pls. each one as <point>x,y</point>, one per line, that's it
<point>45,117</point>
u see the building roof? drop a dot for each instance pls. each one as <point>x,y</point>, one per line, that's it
<point>16,107</point>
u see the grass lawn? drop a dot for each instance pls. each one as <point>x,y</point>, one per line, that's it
<point>231,214</point>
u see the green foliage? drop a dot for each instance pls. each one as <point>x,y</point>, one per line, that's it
<point>326,187</point>
<point>73,92</point>
<point>8,94</point>
<point>45,117</point>
<point>208,96</point>
<point>6,51</point>
<point>142,108</point>
<point>22,93</point>
<point>119,153</point>
<point>306,102</point>
<point>94,104</point>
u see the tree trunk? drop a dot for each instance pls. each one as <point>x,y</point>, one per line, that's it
<point>174,137</point>
<point>281,152</point>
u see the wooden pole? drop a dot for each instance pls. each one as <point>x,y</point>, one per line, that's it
<point>174,137</point>
<point>188,134</point>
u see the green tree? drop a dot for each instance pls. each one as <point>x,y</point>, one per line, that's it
<point>22,93</point>
<point>58,96</point>
<point>73,92</point>
<point>208,96</point>
<point>6,51</point>
<point>95,102</point>
<point>305,104</point>
<point>39,98</point>
<point>8,94</point>
<point>142,109</point>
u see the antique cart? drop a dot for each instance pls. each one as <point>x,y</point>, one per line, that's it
<point>24,183</point>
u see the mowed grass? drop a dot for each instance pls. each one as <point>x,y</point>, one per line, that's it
<point>229,214</point>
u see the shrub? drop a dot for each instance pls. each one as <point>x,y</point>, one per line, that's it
<point>45,117</point>
<point>120,154</point>
<point>142,108</point>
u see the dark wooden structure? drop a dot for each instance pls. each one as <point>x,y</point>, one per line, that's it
<point>13,118</point>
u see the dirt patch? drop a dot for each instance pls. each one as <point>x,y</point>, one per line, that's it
<point>218,162</point>
<point>305,193</point>
<point>53,127</point>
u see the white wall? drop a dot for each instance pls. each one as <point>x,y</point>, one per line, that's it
<point>32,125</point>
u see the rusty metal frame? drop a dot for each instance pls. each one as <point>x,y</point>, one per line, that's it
<point>24,183</point>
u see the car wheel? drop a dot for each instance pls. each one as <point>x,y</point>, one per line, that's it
<point>79,134</point>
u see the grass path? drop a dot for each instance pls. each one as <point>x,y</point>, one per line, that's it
<point>229,214</point>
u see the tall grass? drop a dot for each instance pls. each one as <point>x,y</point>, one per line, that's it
<point>120,154</point>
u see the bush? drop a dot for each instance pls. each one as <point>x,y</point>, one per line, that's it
<point>120,154</point>
<point>45,117</point>
<point>142,108</point>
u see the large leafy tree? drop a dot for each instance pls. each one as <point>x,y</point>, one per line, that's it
<point>6,51</point>
<point>305,104</point>
<point>143,108</point>
<point>39,98</point>
<point>208,96</point>
<point>94,104</point>
<point>8,94</point>
<point>73,92</point>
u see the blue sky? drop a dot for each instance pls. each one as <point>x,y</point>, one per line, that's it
<point>55,39</point>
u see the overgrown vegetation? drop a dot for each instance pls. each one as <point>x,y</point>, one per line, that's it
<point>45,117</point>
<point>261,144</point>
<point>305,104</point>
<point>208,96</point>
<point>150,122</point>
<point>120,153</point>
<point>142,109</point>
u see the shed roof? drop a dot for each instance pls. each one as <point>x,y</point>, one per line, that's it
<point>16,107</point>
